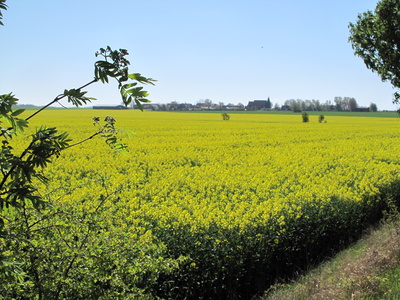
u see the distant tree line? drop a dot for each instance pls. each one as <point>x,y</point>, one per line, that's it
<point>295,105</point>
<point>338,104</point>
<point>206,104</point>
<point>298,105</point>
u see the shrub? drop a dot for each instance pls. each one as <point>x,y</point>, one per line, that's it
<point>225,116</point>
<point>305,117</point>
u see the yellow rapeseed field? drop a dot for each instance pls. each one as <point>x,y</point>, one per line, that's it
<point>232,193</point>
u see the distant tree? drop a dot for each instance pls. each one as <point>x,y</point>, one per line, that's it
<point>341,104</point>
<point>352,103</point>
<point>241,106</point>
<point>173,105</point>
<point>208,103</point>
<point>302,105</point>
<point>326,106</point>
<point>307,105</point>
<point>338,103</point>
<point>316,105</point>
<point>321,118</point>
<point>373,107</point>
<point>375,37</point>
<point>182,106</point>
<point>295,105</point>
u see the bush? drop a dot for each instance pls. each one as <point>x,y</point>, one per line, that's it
<point>225,116</point>
<point>305,117</point>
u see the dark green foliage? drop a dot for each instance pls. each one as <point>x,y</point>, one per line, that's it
<point>118,69</point>
<point>73,251</point>
<point>373,107</point>
<point>375,38</point>
<point>77,97</point>
<point>19,169</point>
<point>109,133</point>
<point>15,124</point>
<point>321,118</point>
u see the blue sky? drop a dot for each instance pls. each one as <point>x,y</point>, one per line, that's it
<point>227,51</point>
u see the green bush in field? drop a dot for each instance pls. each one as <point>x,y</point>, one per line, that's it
<point>305,117</point>
<point>225,117</point>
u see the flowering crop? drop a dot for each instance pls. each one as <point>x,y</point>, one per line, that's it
<point>245,201</point>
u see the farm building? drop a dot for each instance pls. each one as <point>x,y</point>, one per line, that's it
<point>259,105</point>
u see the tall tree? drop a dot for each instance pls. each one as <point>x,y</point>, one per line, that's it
<point>316,104</point>
<point>352,104</point>
<point>208,103</point>
<point>338,103</point>
<point>375,37</point>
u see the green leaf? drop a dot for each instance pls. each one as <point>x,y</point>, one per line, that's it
<point>139,105</point>
<point>129,85</point>
<point>143,100</point>
<point>17,112</point>
<point>135,91</point>
<point>141,79</point>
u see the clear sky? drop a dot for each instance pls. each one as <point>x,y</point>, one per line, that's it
<point>227,51</point>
